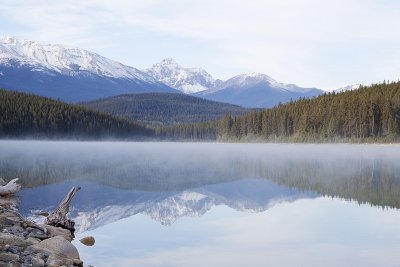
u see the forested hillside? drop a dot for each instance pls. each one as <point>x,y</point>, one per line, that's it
<point>25,115</point>
<point>200,131</point>
<point>164,108</point>
<point>369,114</point>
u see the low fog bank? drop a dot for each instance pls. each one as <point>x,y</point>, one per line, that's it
<point>368,173</point>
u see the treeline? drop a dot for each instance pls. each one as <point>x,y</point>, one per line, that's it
<point>369,113</point>
<point>26,115</point>
<point>155,109</point>
<point>204,131</point>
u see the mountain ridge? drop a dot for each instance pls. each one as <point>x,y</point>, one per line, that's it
<point>76,75</point>
<point>256,90</point>
<point>68,73</point>
<point>187,80</point>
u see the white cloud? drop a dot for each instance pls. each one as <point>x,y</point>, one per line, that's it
<point>310,42</point>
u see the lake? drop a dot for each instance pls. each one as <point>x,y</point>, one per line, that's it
<point>215,204</point>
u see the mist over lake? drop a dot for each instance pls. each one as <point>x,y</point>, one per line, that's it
<point>216,204</point>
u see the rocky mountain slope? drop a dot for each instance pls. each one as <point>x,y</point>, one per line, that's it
<point>68,73</point>
<point>187,80</point>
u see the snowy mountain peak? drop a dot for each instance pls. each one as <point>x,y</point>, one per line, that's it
<point>64,59</point>
<point>187,80</point>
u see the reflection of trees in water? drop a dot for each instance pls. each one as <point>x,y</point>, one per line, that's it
<point>371,181</point>
<point>374,180</point>
<point>132,173</point>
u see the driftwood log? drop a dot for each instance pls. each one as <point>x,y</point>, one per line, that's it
<point>58,217</point>
<point>10,189</point>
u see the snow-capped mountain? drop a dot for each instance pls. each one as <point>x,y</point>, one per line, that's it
<point>76,75</point>
<point>68,73</point>
<point>256,90</point>
<point>187,80</point>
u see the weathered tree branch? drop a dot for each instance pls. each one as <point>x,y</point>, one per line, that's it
<point>11,188</point>
<point>58,217</point>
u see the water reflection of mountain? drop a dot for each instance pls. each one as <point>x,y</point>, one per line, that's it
<point>97,205</point>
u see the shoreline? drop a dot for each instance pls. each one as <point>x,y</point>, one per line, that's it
<point>25,243</point>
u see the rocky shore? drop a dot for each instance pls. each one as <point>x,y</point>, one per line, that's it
<point>25,243</point>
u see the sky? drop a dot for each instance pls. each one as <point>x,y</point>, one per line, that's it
<point>312,43</point>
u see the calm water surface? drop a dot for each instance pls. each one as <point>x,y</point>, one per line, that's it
<point>185,204</point>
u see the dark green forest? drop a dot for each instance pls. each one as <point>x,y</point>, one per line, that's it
<point>26,115</point>
<point>200,131</point>
<point>368,114</point>
<point>156,109</point>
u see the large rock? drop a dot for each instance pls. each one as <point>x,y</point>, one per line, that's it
<point>57,231</point>
<point>59,246</point>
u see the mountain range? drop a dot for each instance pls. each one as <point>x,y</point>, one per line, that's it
<point>256,90</point>
<point>253,90</point>
<point>68,73</point>
<point>74,75</point>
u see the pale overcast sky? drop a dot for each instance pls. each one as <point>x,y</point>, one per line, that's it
<point>315,43</point>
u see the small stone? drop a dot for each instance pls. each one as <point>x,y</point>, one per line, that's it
<point>56,231</point>
<point>9,257</point>
<point>88,241</point>
<point>36,233</point>
<point>12,217</point>
<point>12,249</point>
<point>77,262</point>
<point>37,262</point>
<point>33,240</point>
<point>4,221</point>
<point>9,239</point>
<point>9,264</point>
<point>54,262</point>
<point>17,230</point>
